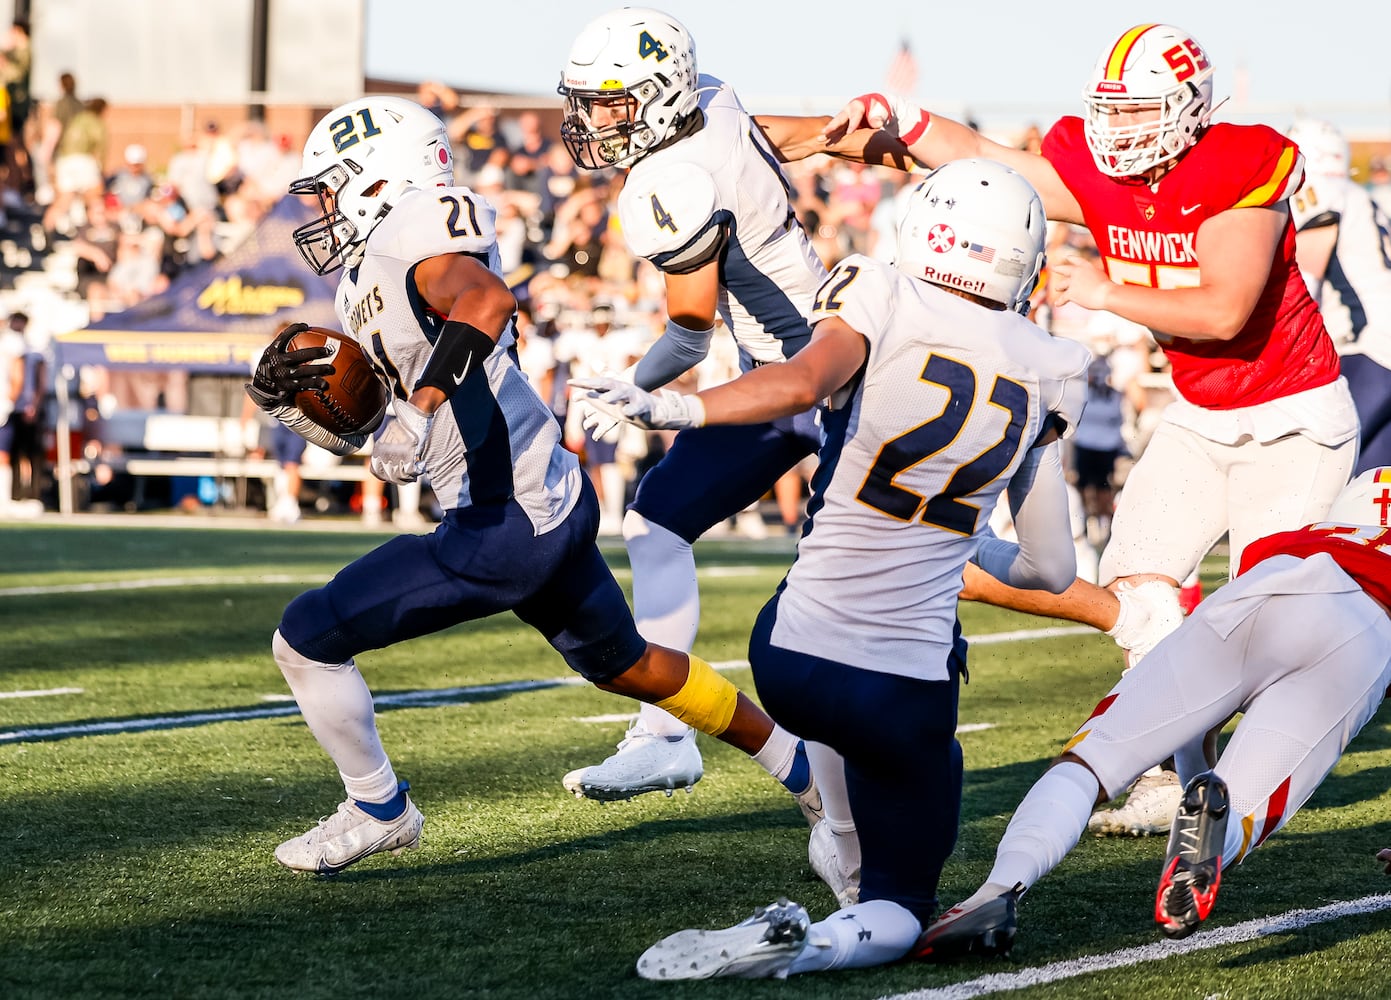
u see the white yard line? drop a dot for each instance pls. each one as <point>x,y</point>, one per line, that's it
<point>1214,937</point>
<point>154,582</point>
<point>39,694</point>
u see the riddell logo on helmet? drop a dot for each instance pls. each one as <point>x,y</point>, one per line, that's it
<point>937,277</point>
<point>1110,87</point>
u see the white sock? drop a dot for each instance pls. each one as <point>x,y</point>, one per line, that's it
<point>615,491</point>
<point>829,769</point>
<point>779,754</point>
<point>866,934</point>
<point>1047,824</point>
<point>408,500</point>
<point>666,601</point>
<point>6,483</point>
<point>379,786</point>
<point>337,708</point>
<point>1190,760</point>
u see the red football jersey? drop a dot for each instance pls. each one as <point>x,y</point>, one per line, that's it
<point>1363,553</point>
<point>1148,237</point>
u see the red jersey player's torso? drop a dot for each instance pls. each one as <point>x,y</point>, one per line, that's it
<point>1363,553</point>
<point>1149,237</point>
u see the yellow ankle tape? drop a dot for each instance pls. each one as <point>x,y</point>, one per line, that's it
<point>706,701</point>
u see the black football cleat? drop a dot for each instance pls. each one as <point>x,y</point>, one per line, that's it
<point>1193,864</point>
<point>984,930</point>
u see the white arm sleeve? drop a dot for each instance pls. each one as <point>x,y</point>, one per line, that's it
<point>1044,558</point>
<point>675,352</point>
<point>314,434</point>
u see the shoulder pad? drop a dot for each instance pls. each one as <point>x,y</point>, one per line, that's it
<point>664,210</point>
<point>434,221</point>
<point>1263,167</point>
<point>1070,384</point>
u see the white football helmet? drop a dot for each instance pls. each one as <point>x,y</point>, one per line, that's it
<point>1324,149</point>
<point>637,59</point>
<point>1365,501</point>
<point>358,161</point>
<point>977,226</point>
<point>1153,66</point>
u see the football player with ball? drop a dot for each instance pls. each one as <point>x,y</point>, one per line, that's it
<point>422,297</point>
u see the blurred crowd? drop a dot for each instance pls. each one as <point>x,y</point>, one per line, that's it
<point>130,222</point>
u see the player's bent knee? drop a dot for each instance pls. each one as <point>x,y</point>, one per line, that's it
<point>1071,758</point>
<point>644,536</point>
<point>286,656</point>
<point>706,701</point>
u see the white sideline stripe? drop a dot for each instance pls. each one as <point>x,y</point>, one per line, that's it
<point>154,582</point>
<point>39,694</point>
<point>239,581</point>
<point>1216,937</point>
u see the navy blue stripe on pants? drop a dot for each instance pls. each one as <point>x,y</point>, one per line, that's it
<point>902,761</point>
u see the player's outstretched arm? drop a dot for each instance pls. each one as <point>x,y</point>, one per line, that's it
<point>832,358</point>
<point>796,138</point>
<point>932,140</point>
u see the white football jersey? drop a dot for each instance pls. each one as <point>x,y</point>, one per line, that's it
<point>1356,299</point>
<point>482,450</point>
<point>915,457</point>
<point>678,203</point>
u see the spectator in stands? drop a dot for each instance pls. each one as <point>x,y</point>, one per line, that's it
<point>78,167</point>
<point>438,98</point>
<point>68,103</point>
<point>189,231</point>
<point>28,455</point>
<point>287,448</point>
<point>131,183</point>
<point>1379,182</point>
<point>12,351</point>
<point>42,134</point>
<point>16,59</point>
<point>95,244</point>
<point>474,136</point>
<point>189,171</point>
<point>578,240</point>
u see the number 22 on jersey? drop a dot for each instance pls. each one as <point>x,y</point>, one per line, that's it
<point>948,508</point>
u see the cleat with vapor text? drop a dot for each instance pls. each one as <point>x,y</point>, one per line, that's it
<point>983,929</point>
<point>761,947</point>
<point>645,762</point>
<point>1193,863</point>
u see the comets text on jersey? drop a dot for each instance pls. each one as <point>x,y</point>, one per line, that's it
<point>365,309</point>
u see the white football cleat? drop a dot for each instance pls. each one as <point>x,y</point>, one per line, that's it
<point>761,947</point>
<point>1149,809</point>
<point>645,762</point>
<point>825,860</point>
<point>809,801</point>
<point>348,836</point>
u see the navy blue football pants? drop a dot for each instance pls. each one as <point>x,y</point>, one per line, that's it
<point>903,765</point>
<point>478,561</point>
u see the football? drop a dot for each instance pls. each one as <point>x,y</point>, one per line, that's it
<point>355,398</point>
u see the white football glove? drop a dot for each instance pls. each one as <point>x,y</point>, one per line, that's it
<point>397,454</point>
<point>664,409</point>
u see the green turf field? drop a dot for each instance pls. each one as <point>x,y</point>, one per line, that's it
<point>139,809</point>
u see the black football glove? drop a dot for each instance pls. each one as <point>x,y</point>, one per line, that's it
<point>281,373</point>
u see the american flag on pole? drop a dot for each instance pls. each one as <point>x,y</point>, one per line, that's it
<point>902,77</point>
<point>979,252</point>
